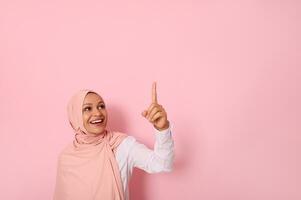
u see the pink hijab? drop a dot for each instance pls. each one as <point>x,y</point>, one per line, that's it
<point>87,168</point>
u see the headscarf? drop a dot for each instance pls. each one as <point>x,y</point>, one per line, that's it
<point>87,168</point>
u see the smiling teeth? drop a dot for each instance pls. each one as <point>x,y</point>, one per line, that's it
<point>96,121</point>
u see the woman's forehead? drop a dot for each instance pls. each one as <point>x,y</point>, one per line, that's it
<point>92,97</point>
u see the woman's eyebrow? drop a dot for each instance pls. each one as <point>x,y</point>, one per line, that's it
<point>91,103</point>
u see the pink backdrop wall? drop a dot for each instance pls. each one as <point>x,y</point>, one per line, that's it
<point>227,72</point>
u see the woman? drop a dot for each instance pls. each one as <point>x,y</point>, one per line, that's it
<point>98,164</point>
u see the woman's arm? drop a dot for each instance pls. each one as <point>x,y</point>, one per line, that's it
<point>161,158</point>
<point>154,161</point>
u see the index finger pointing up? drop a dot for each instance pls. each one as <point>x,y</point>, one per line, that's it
<point>154,93</point>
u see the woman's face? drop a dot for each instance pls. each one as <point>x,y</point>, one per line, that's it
<point>94,113</point>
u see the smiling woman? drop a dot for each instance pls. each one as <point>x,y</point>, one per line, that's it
<point>98,163</point>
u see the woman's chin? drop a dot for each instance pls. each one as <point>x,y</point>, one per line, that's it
<point>97,131</point>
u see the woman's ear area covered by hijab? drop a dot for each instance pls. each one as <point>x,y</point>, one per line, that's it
<point>74,110</point>
<point>94,113</point>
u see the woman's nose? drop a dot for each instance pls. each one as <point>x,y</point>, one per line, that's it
<point>97,112</point>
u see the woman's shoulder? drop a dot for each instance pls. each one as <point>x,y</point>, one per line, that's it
<point>126,138</point>
<point>66,149</point>
<point>129,139</point>
<point>126,143</point>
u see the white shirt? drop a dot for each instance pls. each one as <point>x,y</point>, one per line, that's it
<point>130,154</point>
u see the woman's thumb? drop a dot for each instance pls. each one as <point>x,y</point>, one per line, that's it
<point>144,113</point>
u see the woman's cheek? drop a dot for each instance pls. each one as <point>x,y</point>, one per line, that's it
<point>85,118</point>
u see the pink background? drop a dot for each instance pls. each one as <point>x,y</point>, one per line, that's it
<point>227,72</point>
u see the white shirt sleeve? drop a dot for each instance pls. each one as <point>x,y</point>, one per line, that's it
<point>154,161</point>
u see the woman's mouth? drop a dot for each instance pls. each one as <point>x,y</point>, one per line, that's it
<point>97,122</point>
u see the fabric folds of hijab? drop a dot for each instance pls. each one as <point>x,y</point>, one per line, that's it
<point>87,168</point>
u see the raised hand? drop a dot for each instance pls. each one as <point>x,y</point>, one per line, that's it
<point>156,114</point>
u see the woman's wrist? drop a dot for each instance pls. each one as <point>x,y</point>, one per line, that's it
<point>166,126</point>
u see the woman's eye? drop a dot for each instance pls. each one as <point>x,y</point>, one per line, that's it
<point>87,108</point>
<point>101,106</point>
